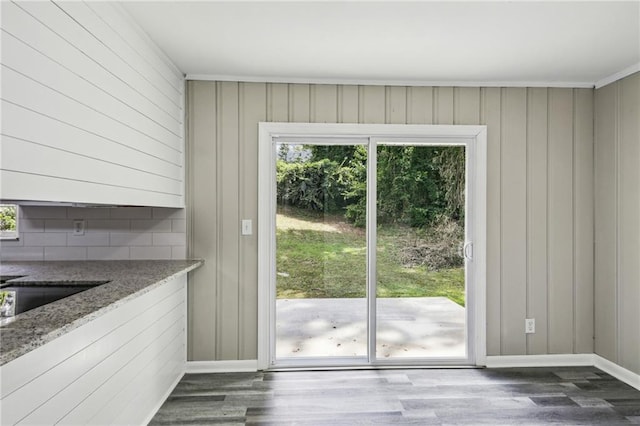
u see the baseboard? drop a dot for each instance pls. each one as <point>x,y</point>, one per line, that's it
<point>620,373</point>
<point>555,360</point>
<point>566,360</point>
<point>248,365</point>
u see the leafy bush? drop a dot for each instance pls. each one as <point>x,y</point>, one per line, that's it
<point>313,185</point>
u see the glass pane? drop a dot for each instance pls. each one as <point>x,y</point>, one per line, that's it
<point>420,270</point>
<point>321,308</point>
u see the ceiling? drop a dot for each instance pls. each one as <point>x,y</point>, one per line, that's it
<point>576,43</point>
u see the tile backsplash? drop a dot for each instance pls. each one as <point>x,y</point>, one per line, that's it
<point>122,233</point>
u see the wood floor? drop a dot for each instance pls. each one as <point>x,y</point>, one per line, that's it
<point>519,396</point>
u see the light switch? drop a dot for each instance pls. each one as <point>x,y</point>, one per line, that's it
<point>78,227</point>
<point>247,227</point>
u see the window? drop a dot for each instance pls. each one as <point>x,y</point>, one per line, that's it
<point>8,221</point>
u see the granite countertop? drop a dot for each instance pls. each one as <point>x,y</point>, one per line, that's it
<point>127,279</point>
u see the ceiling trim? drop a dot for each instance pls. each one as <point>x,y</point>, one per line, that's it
<point>358,82</point>
<point>618,76</point>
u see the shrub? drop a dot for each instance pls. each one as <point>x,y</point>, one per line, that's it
<point>313,185</point>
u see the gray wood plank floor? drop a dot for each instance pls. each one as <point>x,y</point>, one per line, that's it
<point>517,396</point>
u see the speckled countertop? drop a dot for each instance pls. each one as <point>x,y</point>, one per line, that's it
<point>127,279</point>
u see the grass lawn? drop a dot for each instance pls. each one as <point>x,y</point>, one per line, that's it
<point>324,257</point>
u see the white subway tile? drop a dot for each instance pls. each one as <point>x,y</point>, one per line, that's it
<point>131,213</point>
<point>108,253</point>
<point>107,225</point>
<point>88,239</point>
<point>169,239</point>
<point>45,239</point>
<point>42,212</point>
<point>31,225</point>
<point>167,213</point>
<point>178,225</point>
<point>22,253</point>
<point>9,243</point>
<point>65,253</point>
<point>87,213</point>
<point>151,252</point>
<point>58,225</point>
<point>151,225</point>
<point>131,239</point>
<point>179,252</point>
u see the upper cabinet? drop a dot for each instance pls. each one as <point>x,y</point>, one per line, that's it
<point>92,110</point>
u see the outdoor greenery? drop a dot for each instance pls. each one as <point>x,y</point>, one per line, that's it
<point>416,185</point>
<point>321,256</point>
<point>7,217</point>
<point>321,241</point>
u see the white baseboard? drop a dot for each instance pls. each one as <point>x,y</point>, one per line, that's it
<point>620,373</point>
<point>556,360</point>
<point>566,360</point>
<point>240,366</point>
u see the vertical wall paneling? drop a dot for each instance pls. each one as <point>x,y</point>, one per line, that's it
<point>492,118</point>
<point>277,102</point>
<point>324,103</point>
<point>538,150</point>
<point>69,75</point>
<point>203,213</point>
<point>606,271</point>
<point>443,109</point>
<point>560,229</point>
<point>419,105</point>
<point>252,111</point>
<point>537,218</point>
<point>229,225</point>
<point>348,104</point>
<point>372,104</point>
<point>617,219</point>
<point>396,108</point>
<point>583,219</point>
<point>299,103</point>
<point>513,188</point>
<point>629,222</point>
<point>467,105</point>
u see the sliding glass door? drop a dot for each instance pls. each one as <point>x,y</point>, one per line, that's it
<point>369,240</point>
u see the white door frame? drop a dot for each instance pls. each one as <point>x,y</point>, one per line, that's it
<point>474,137</point>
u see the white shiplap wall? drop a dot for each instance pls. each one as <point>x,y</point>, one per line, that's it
<point>116,369</point>
<point>92,111</point>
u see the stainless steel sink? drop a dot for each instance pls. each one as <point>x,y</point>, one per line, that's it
<point>19,297</point>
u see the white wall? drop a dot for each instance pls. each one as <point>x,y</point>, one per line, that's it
<point>114,370</point>
<point>540,202</point>
<point>92,111</point>
<point>617,222</point>
<point>46,233</point>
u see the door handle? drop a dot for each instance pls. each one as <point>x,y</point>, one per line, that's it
<point>467,250</point>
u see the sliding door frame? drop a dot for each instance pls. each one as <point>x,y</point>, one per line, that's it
<point>474,138</point>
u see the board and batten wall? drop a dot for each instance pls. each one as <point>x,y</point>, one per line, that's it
<point>540,202</point>
<point>617,222</point>
<point>92,110</point>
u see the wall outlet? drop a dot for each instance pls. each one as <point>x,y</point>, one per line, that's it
<point>530,325</point>
<point>78,227</point>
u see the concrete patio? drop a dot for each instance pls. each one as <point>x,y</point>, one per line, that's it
<point>412,327</point>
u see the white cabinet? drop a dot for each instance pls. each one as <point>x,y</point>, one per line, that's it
<point>92,111</point>
<point>116,369</point>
